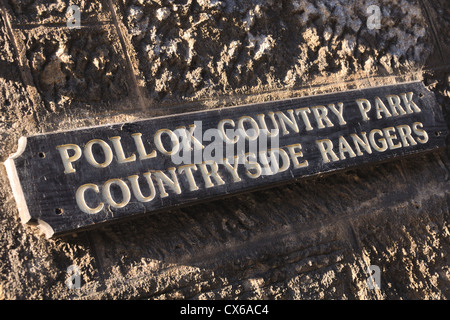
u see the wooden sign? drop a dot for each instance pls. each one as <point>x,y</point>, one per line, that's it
<point>73,180</point>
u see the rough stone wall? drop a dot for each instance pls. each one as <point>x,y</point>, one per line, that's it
<point>309,240</point>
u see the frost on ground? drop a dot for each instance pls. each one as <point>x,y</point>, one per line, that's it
<point>249,46</point>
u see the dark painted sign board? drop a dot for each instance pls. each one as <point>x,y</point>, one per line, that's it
<point>73,180</point>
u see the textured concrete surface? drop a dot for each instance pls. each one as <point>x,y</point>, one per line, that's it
<point>309,240</point>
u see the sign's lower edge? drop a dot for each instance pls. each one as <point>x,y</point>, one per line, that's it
<point>42,225</point>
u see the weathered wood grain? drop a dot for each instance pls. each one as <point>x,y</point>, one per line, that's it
<point>45,184</point>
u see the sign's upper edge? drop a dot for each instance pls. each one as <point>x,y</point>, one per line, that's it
<point>222,108</point>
